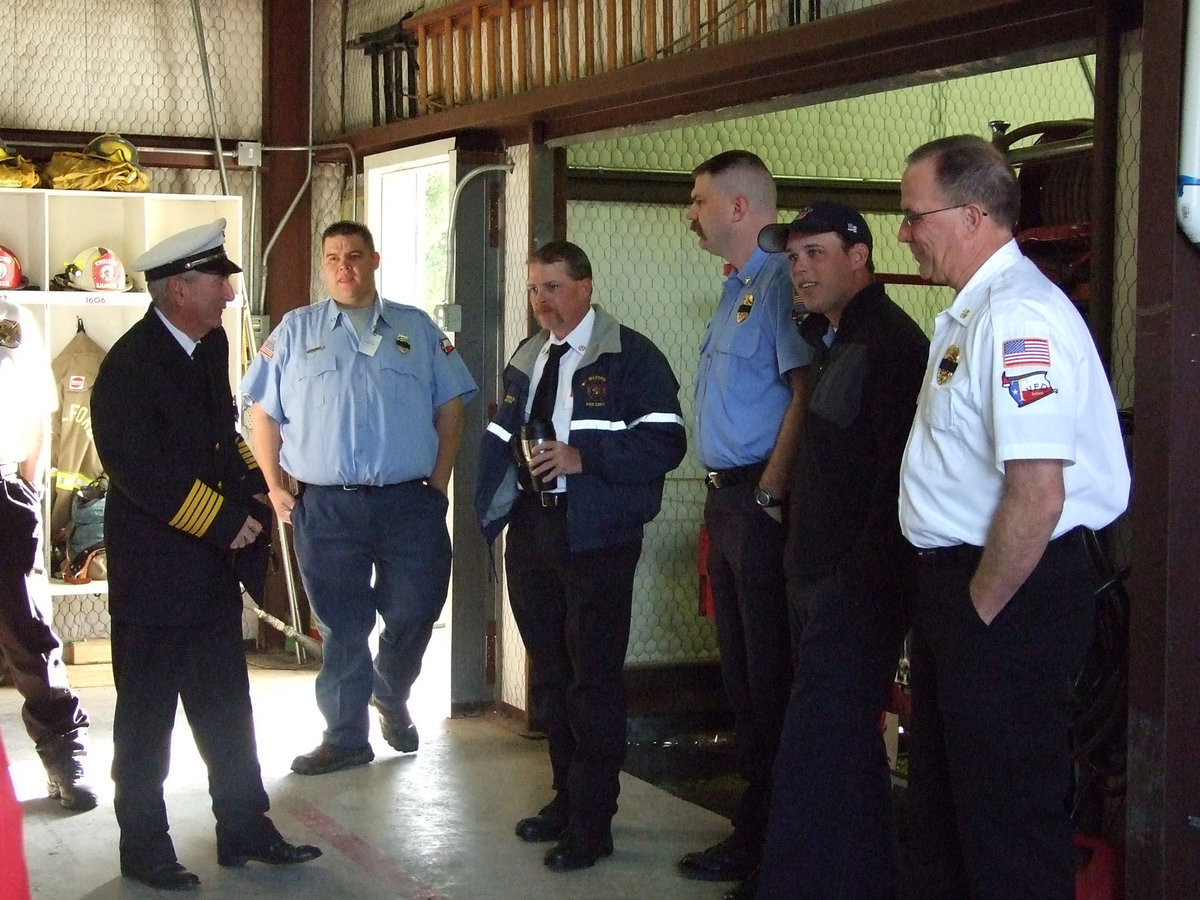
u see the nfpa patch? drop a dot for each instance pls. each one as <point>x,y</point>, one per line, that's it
<point>76,382</point>
<point>595,390</point>
<point>1029,387</point>
<point>447,347</point>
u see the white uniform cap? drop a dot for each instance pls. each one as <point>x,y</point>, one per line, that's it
<point>199,249</point>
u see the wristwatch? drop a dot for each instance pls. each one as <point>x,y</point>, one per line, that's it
<point>764,499</point>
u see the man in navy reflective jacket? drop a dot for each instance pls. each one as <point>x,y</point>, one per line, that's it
<point>575,530</point>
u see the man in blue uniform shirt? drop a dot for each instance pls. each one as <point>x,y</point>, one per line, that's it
<point>750,390</point>
<point>360,400</point>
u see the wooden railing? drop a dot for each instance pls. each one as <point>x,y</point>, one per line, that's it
<point>479,50</point>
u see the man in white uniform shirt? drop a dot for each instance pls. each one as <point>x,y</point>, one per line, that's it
<point>1014,453</point>
<point>29,647</point>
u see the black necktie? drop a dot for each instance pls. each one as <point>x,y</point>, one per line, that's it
<point>547,386</point>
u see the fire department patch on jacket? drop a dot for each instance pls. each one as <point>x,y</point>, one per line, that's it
<point>595,390</point>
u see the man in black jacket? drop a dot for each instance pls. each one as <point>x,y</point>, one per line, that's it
<point>831,830</point>
<point>184,517</point>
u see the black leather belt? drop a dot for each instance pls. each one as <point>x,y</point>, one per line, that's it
<point>967,555</point>
<point>363,488</point>
<point>963,555</point>
<point>722,478</point>
<point>547,499</point>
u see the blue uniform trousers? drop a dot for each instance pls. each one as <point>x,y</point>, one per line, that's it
<point>832,831</point>
<point>367,551</point>
<point>989,754</point>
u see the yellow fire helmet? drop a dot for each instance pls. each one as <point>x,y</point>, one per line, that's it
<point>11,278</point>
<point>95,269</point>
<point>112,147</point>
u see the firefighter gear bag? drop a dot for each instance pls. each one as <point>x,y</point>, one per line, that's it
<point>85,533</point>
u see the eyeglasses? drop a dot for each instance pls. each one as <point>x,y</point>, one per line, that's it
<point>912,218</point>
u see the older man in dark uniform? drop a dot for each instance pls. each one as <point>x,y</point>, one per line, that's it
<point>183,516</point>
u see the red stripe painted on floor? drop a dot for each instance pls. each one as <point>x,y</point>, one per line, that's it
<point>373,863</point>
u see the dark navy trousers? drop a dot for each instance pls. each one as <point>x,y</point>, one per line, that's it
<point>745,570</point>
<point>990,769</point>
<point>832,832</point>
<point>573,612</point>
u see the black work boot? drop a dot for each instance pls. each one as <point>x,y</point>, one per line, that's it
<point>65,783</point>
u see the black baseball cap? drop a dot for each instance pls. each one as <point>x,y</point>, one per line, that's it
<point>822,217</point>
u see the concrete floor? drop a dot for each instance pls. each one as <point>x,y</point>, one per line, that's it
<point>437,824</point>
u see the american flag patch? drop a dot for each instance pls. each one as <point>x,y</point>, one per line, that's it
<point>1027,352</point>
<point>268,348</point>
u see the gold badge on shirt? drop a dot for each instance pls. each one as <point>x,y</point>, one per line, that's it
<point>402,343</point>
<point>948,365</point>
<point>743,311</point>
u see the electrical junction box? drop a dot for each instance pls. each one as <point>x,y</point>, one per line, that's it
<point>449,316</point>
<point>260,327</point>
<point>249,154</point>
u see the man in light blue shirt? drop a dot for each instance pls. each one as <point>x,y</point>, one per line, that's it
<point>750,396</point>
<point>360,400</point>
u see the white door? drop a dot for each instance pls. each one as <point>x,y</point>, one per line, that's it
<point>408,194</point>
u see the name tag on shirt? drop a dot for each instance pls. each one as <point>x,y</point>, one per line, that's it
<point>370,344</point>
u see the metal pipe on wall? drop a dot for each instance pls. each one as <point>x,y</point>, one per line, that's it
<point>208,91</point>
<point>458,191</point>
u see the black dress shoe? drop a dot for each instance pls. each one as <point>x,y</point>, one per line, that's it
<point>167,876</point>
<point>576,851</point>
<point>331,758</point>
<point>732,859</point>
<point>277,853</point>
<point>398,728</point>
<point>548,825</point>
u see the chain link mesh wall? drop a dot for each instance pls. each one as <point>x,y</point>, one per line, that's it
<point>1129,122</point>
<point>128,66</point>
